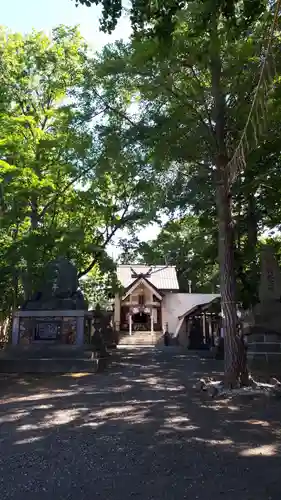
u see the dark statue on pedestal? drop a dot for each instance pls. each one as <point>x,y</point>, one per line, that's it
<point>59,289</point>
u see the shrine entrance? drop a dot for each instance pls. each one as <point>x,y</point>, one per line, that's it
<point>141,321</point>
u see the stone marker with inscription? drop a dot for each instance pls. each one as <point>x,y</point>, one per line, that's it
<point>264,335</point>
<point>47,329</point>
<point>270,280</point>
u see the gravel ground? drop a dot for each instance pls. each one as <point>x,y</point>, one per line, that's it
<point>139,431</point>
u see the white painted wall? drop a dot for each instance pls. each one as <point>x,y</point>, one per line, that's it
<point>183,335</point>
<point>176,304</point>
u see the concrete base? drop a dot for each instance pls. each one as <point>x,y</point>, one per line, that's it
<point>264,350</point>
<point>50,359</point>
<point>265,363</point>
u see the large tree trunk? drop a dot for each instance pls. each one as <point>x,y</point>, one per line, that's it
<point>224,211</point>
<point>227,283</point>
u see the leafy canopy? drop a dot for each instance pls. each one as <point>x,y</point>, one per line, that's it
<point>67,183</point>
<point>175,130</point>
<point>160,16</point>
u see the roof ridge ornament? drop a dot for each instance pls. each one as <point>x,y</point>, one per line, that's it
<point>148,273</point>
<point>135,275</point>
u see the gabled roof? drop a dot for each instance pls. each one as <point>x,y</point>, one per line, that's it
<point>139,280</point>
<point>161,277</point>
<point>201,307</point>
<point>190,302</point>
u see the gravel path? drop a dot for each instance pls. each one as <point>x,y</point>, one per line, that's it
<point>139,432</point>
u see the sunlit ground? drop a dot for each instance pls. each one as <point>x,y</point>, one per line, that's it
<point>139,430</point>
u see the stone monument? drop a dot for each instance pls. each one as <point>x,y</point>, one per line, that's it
<point>264,332</point>
<point>270,280</point>
<point>56,313</point>
<point>59,289</point>
<point>49,331</point>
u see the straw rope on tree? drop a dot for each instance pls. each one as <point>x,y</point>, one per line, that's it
<point>257,117</point>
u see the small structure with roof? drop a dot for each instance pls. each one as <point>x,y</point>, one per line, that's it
<point>151,302</point>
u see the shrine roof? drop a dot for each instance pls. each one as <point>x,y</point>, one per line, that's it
<point>161,277</point>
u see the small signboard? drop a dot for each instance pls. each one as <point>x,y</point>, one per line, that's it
<point>48,330</point>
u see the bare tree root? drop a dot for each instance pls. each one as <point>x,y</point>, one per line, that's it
<point>216,388</point>
<point>237,380</point>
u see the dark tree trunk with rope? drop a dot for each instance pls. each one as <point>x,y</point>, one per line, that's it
<point>233,347</point>
<point>227,279</point>
<point>235,359</point>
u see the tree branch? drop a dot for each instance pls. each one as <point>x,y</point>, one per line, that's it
<point>176,94</point>
<point>195,76</point>
<point>66,187</point>
<point>114,110</point>
<point>107,240</point>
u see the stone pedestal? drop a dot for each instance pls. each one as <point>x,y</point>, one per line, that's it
<point>264,350</point>
<point>264,338</point>
<point>54,358</point>
<point>48,332</point>
<point>263,333</point>
<point>48,327</point>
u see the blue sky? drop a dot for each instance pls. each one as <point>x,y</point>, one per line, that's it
<point>25,15</point>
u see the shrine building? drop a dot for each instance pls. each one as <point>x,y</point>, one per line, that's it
<point>151,302</point>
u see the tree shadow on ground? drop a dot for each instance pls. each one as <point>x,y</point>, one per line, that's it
<point>137,430</point>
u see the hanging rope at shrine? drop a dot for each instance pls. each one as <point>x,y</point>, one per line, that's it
<point>256,120</point>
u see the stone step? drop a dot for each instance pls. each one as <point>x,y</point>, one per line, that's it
<point>47,365</point>
<point>140,338</point>
<point>39,351</point>
<point>50,359</point>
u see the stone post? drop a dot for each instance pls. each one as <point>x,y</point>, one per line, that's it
<point>80,330</point>
<point>130,323</point>
<point>210,328</point>
<point>15,330</point>
<point>188,330</point>
<point>151,322</point>
<point>204,327</point>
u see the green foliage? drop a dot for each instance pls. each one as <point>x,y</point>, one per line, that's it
<point>92,145</point>
<point>175,130</point>
<point>194,100</point>
<point>100,285</point>
<point>161,15</point>
<point>67,187</point>
<point>36,148</point>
